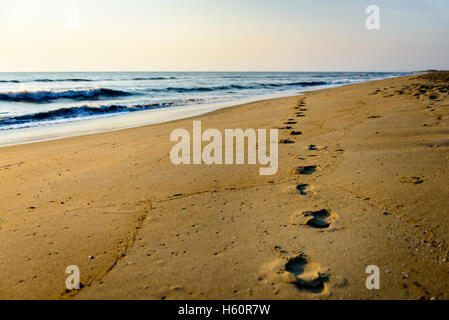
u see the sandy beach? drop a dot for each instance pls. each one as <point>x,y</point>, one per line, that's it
<point>362,182</point>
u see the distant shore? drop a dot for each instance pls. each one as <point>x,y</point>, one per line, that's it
<point>362,181</point>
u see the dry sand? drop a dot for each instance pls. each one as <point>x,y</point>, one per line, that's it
<point>376,193</point>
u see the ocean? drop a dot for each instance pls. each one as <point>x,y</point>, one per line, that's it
<point>45,99</point>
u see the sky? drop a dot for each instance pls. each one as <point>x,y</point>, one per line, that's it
<point>222,35</point>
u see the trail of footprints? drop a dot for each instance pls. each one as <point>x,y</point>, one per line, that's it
<point>306,273</point>
<point>321,219</point>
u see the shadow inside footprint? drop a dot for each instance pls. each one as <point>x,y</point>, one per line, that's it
<point>307,275</point>
<point>313,147</point>
<point>321,219</point>
<point>302,189</point>
<point>305,157</point>
<point>304,170</point>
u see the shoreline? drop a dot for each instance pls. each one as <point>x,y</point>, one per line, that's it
<point>115,122</point>
<point>139,227</point>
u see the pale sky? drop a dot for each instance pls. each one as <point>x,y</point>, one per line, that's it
<point>222,35</point>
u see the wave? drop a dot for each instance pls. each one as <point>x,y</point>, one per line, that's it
<point>154,78</point>
<point>9,81</point>
<point>241,87</point>
<point>86,80</point>
<point>347,81</point>
<point>62,80</point>
<point>45,96</point>
<point>46,80</point>
<point>310,83</point>
<point>80,112</point>
<point>74,112</point>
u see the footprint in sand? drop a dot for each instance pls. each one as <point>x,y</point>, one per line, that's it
<point>286,141</point>
<point>313,147</point>
<point>302,188</point>
<point>306,170</point>
<point>307,274</point>
<point>321,219</point>
<point>431,145</point>
<point>7,166</point>
<point>296,269</point>
<point>305,157</point>
<point>412,180</point>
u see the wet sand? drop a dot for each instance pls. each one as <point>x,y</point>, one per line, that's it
<point>365,183</point>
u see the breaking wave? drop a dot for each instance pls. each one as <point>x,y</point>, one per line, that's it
<point>241,87</point>
<point>45,96</point>
<point>28,120</point>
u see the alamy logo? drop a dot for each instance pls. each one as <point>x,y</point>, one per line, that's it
<point>73,281</point>
<point>185,152</point>
<point>73,18</point>
<point>373,280</point>
<point>373,20</point>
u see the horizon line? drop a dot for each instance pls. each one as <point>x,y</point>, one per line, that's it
<point>221,71</point>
